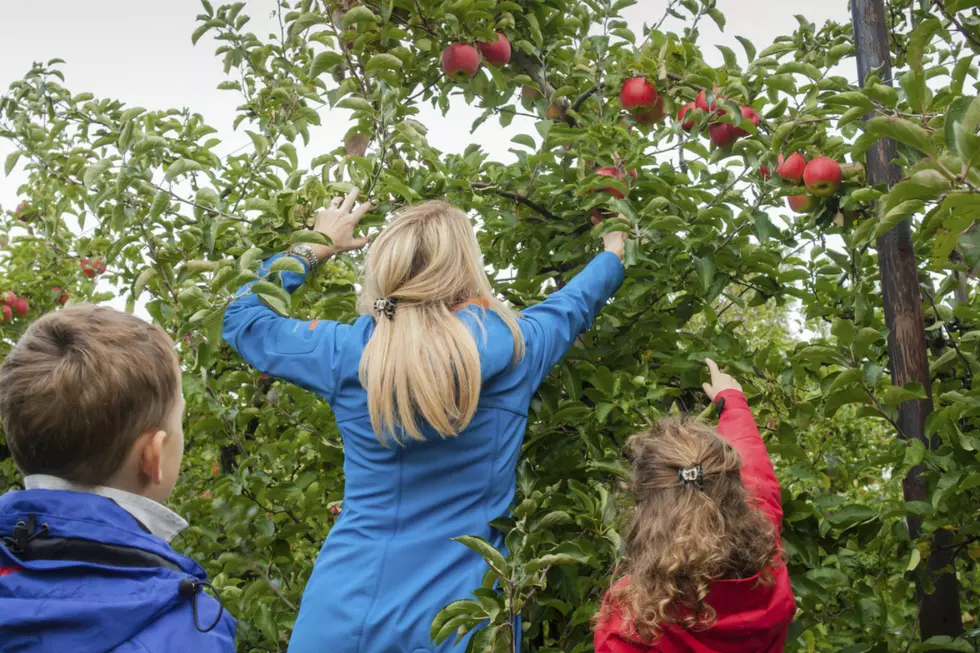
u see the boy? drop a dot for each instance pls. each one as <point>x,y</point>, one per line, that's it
<point>91,405</point>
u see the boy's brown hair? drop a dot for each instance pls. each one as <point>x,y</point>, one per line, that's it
<point>80,386</point>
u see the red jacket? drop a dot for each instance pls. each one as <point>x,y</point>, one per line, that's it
<point>751,618</point>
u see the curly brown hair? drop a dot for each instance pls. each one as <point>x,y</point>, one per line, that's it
<point>682,538</point>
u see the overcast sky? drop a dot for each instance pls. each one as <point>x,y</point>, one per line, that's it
<point>139,51</point>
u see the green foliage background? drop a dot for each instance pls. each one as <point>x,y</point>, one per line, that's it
<point>717,267</point>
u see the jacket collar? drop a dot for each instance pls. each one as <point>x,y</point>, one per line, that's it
<point>157,518</point>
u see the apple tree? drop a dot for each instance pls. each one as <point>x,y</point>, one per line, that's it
<point>754,230</point>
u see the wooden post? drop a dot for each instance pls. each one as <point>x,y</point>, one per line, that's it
<point>939,611</point>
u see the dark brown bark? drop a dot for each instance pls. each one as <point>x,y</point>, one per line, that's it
<point>939,611</point>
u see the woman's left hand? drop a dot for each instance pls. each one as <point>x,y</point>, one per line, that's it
<point>338,222</point>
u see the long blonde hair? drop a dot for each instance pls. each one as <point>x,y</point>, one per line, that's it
<point>681,539</point>
<point>424,365</point>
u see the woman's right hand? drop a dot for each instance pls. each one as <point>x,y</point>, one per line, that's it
<point>615,241</point>
<point>338,222</point>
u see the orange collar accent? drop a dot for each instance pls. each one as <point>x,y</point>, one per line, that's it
<point>476,301</point>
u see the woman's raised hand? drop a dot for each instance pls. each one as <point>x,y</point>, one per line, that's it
<point>719,381</point>
<point>615,241</point>
<point>338,222</point>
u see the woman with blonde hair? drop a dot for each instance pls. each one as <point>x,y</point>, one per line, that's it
<point>703,571</point>
<point>430,388</point>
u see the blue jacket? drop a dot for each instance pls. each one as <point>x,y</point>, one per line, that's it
<point>389,564</point>
<point>64,606</point>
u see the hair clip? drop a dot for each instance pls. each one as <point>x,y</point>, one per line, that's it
<point>385,306</point>
<point>691,476</point>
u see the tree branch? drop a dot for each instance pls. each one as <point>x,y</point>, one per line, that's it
<point>517,197</point>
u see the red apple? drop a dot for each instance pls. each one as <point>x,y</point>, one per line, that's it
<point>7,313</point>
<point>21,307</point>
<point>722,134</point>
<point>8,297</point>
<point>639,96</point>
<point>496,53</point>
<point>63,297</point>
<point>609,171</point>
<point>687,125</point>
<point>653,115</point>
<point>791,169</point>
<point>750,114</point>
<point>460,61</point>
<point>802,203</point>
<point>822,176</point>
<point>701,102</point>
<point>90,267</point>
<point>553,112</point>
<point>764,171</point>
<point>530,94</point>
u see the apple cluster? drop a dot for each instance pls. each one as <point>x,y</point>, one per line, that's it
<point>91,268</point>
<point>12,305</point>
<point>721,134</point>
<point>460,61</point>
<point>822,177</point>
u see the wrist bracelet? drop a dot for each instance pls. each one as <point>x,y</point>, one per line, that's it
<point>308,256</point>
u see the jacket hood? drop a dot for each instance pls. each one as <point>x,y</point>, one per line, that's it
<point>750,617</point>
<point>82,607</point>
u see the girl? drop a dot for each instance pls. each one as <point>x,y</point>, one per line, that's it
<point>430,388</point>
<point>703,551</point>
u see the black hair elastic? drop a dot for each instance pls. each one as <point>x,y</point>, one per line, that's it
<point>189,587</point>
<point>386,306</point>
<point>691,476</point>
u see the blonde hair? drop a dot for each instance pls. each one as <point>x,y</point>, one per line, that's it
<point>681,539</point>
<point>424,363</point>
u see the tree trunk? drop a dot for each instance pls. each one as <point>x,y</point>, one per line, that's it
<point>939,609</point>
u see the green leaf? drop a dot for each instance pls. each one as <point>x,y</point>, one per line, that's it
<point>181,167</point>
<point>260,142</point>
<point>944,643</point>
<point>920,38</point>
<point>10,162</point>
<point>850,378</point>
<point>383,61</point>
<point>903,131</point>
<point>748,47</point>
<point>95,171</point>
<point>914,560</point>
<point>863,341</point>
<point>160,203</point>
<point>525,140</point>
<point>852,99</point>
<point>287,264</point>
<point>357,15</point>
<point>273,295</point>
<point>960,130</point>
<point>493,557</point>
<point>141,281</point>
<point>553,560</point>
<point>895,216</point>
<point>852,514</point>
<point>324,62</point>
<point>706,271</point>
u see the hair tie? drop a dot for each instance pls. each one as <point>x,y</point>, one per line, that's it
<point>691,476</point>
<point>385,306</point>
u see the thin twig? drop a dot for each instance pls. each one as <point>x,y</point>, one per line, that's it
<point>972,38</point>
